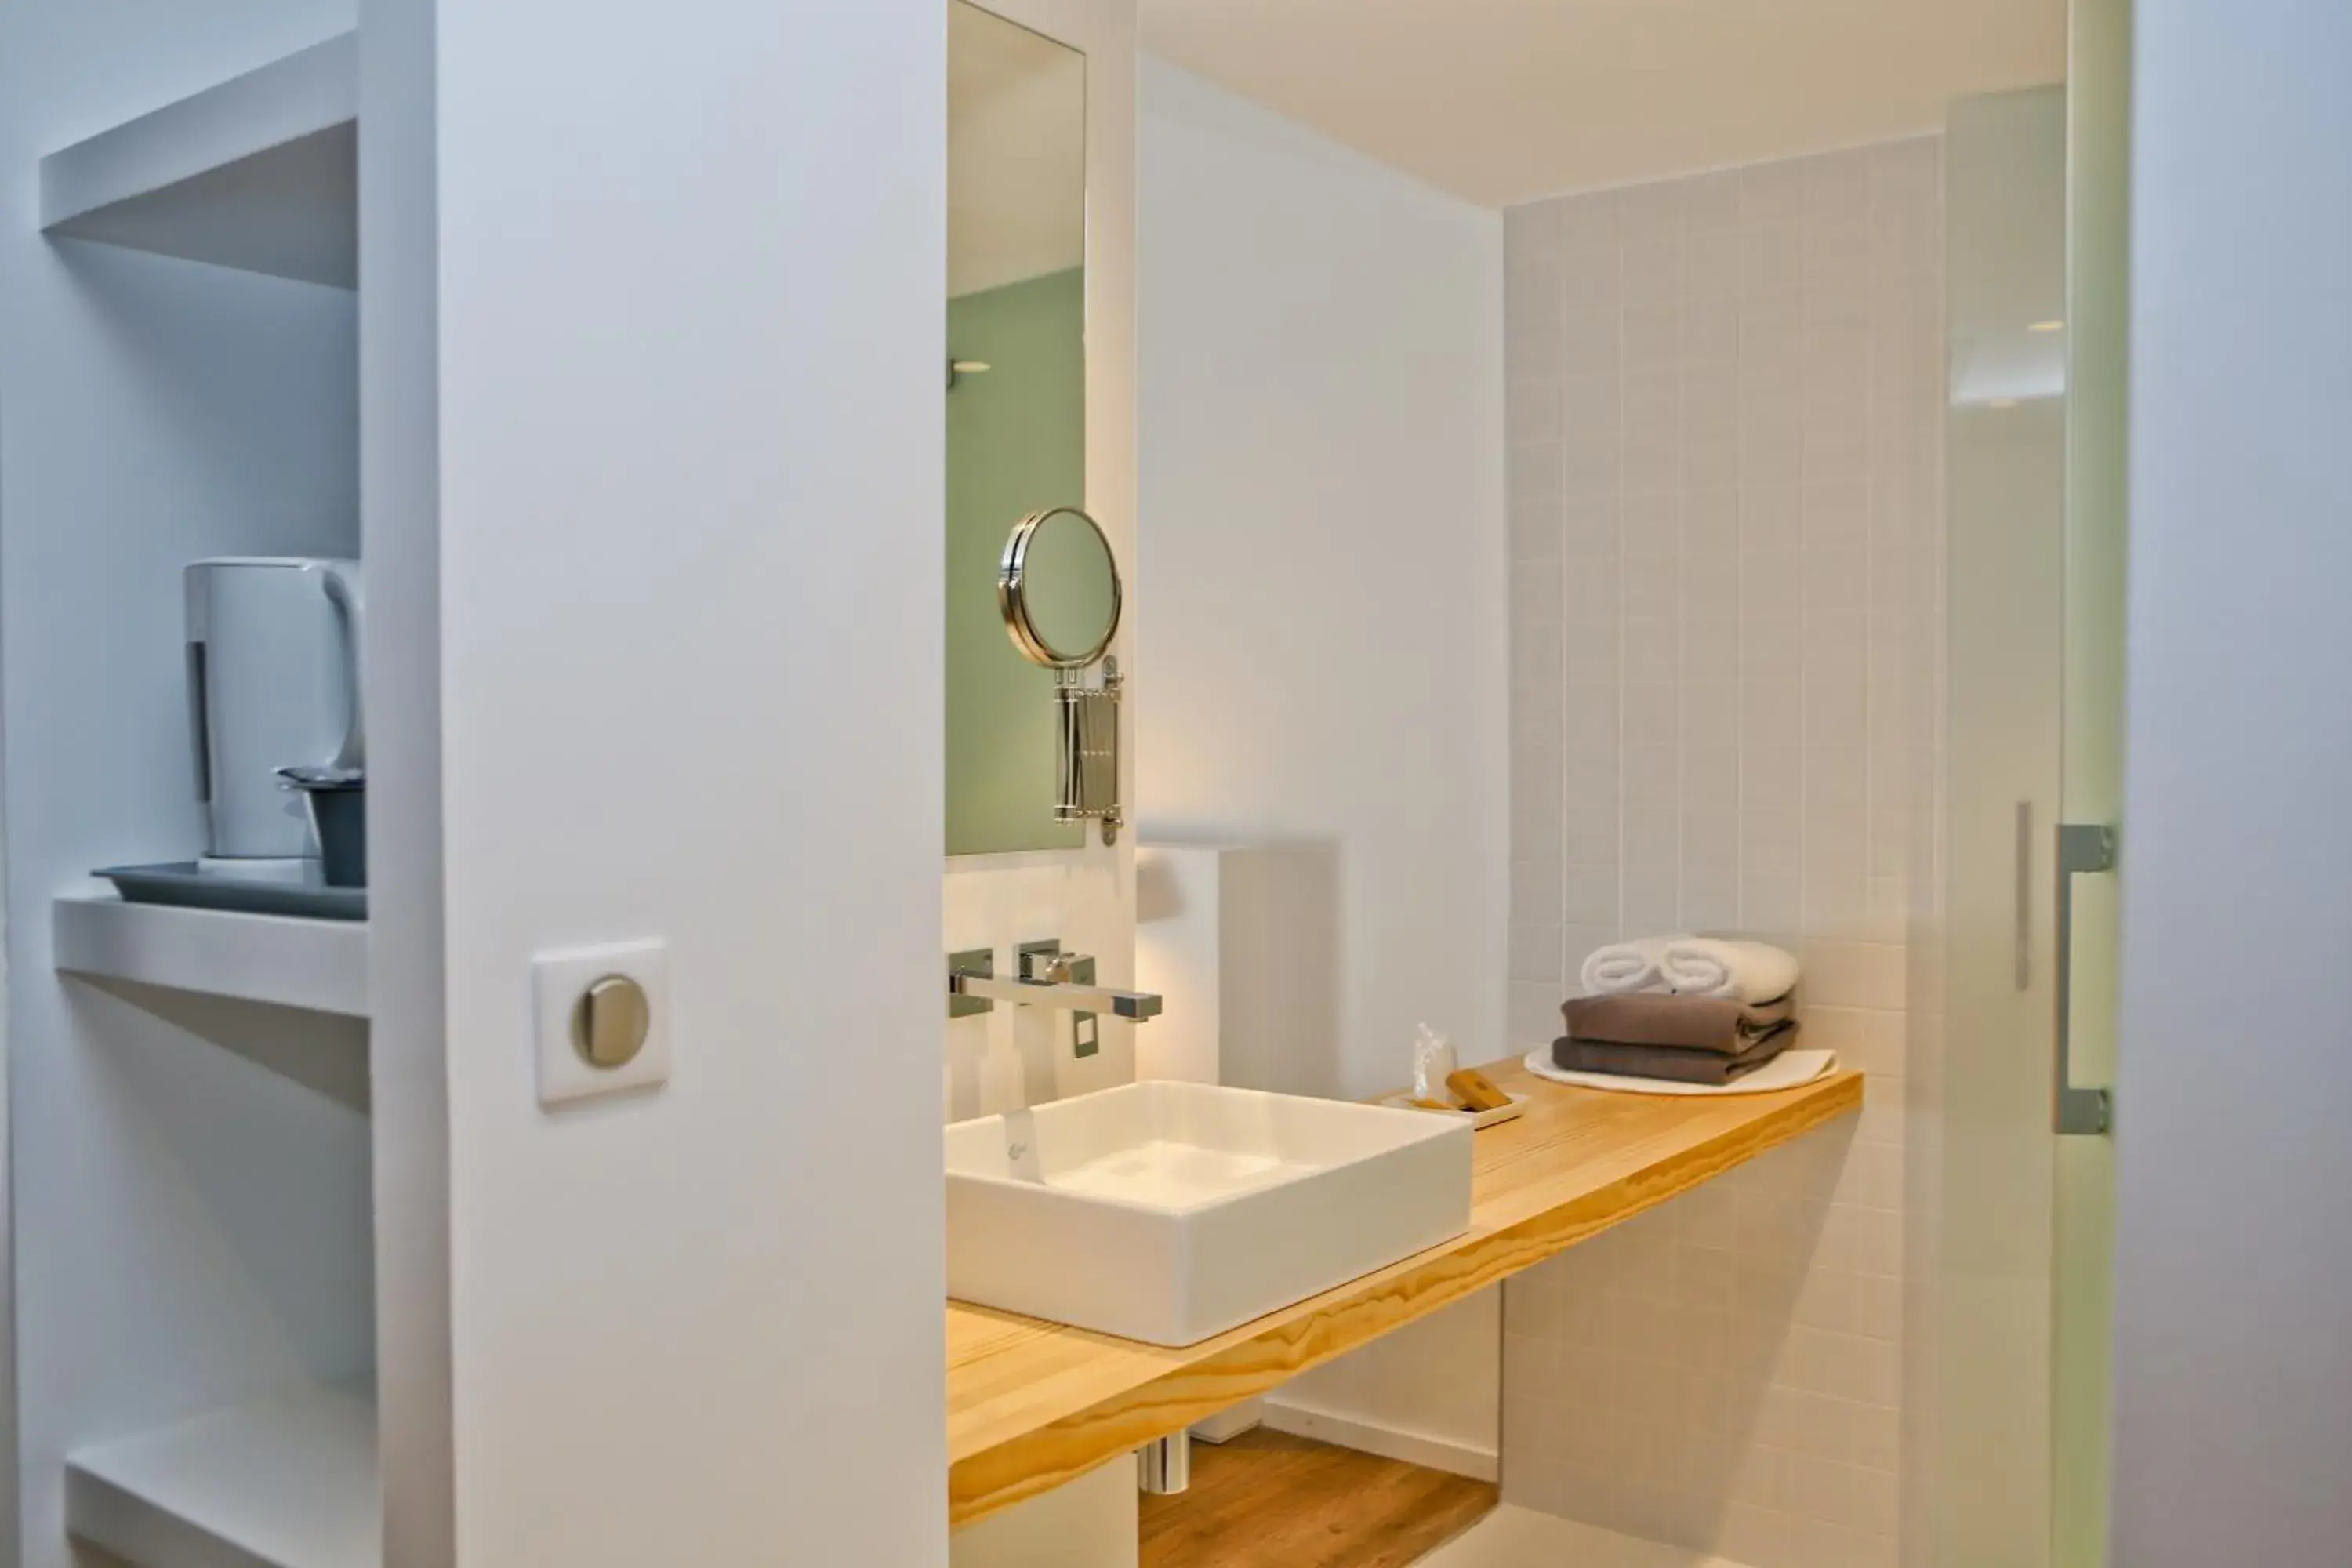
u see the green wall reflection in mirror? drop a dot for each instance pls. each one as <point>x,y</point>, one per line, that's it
<point>1015,428</point>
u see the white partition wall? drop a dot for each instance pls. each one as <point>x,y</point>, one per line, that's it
<point>1322,616</point>
<point>635,419</point>
<point>2233,1372</point>
<point>690,333</point>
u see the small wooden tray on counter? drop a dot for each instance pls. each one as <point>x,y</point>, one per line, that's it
<point>1033,1404</point>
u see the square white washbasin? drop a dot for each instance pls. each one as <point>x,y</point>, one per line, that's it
<point>1170,1212</point>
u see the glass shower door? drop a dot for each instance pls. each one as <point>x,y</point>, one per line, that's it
<point>2099,285</point>
<point>2021,1248</point>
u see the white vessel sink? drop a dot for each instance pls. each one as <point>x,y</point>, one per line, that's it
<point>1169,1212</point>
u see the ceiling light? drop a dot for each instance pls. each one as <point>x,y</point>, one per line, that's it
<point>2047,327</point>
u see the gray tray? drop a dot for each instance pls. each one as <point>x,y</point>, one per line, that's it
<point>178,882</point>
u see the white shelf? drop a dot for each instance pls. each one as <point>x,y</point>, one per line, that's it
<point>314,963</point>
<point>289,1481</point>
<point>260,172</point>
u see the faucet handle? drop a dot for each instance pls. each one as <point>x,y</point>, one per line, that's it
<point>1051,966</point>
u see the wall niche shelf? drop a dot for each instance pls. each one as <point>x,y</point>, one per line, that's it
<point>258,173</point>
<point>288,1480</point>
<point>314,963</point>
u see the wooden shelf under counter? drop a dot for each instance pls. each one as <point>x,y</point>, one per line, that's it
<point>1031,1405</point>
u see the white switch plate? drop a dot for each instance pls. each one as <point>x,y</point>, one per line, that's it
<point>558,979</point>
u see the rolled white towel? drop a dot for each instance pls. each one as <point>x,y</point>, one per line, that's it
<point>1753,971</point>
<point>1624,966</point>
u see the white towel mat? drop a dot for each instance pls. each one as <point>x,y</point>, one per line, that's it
<point>1790,1069</point>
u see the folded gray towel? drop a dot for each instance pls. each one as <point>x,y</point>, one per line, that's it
<point>1724,1024</point>
<point>1676,1064</point>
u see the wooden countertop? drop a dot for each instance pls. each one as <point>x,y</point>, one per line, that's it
<point>1033,1404</point>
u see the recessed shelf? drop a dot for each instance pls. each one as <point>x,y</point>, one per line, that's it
<point>259,173</point>
<point>314,963</point>
<point>288,1480</point>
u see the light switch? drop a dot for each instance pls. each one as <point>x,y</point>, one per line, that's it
<point>602,1016</point>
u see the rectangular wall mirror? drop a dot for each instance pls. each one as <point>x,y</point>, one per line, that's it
<point>1015,405</point>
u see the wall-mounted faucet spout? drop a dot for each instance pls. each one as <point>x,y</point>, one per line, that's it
<point>1045,982</point>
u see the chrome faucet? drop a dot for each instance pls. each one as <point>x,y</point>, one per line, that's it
<point>1048,978</point>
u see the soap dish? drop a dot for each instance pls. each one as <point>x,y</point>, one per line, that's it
<point>1476,1119</point>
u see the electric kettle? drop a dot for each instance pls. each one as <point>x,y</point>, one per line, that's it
<point>273,681</point>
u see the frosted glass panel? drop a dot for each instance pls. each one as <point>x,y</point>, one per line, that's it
<point>2098,266</point>
<point>2006,454</point>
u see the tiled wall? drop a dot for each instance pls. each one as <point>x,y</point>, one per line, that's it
<point>1724,419</point>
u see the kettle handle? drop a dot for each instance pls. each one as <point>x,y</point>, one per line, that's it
<point>347,591</point>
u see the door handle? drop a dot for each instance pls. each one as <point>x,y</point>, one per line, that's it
<point>2021,958</point>
<point>2083,847</point>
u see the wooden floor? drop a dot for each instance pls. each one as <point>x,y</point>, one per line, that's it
<point>1270,1500</point>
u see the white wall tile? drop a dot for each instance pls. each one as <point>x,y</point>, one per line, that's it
<point>1726,424</point>
<point>1536,528</point>
<point>1591,655</point>
<point>1590,406</point>
<point>1713,261</point>
<point>1533,413</point>
<point>1652,336</point>
<point>1585,223</point>
<point>1772,259</point>
<point>1590,891</point>
<point>1591,774</point>
<point>1650,214</point>
<point>1536,656</point>
<point>1650,273</point>
<point>1770,192</point>
<point>1650,523</point>
<point>1535,472</point>
<point>1533,297</point>
<point>1536,893</point>
<point>1532,232</point>
<point>1536,952</point>
<point>1653,712</point>
<point>1653,778</point>
<point>1651,586</point>
<point>1650,648</point>
<point>1590,528</point>
<point>1589,837</point>
<point>1589,281</point>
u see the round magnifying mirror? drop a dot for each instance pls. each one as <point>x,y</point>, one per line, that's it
<point>1058,588</point>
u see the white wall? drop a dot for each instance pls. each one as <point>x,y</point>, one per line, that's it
<point>2234,1268</point>
<point>1320,578</point>
<point>190,1224</point>
<point>690,337</point>
<point>1320,600</point>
